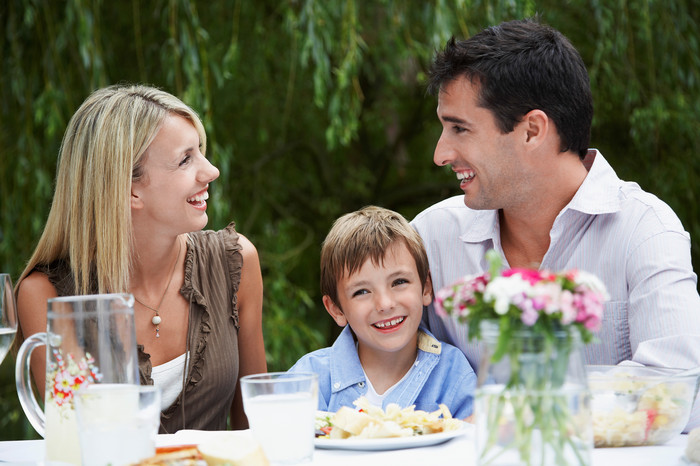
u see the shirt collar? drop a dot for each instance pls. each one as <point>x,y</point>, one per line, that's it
<point>484,226</point>
<point>346,369</point>
<point>598,194</point>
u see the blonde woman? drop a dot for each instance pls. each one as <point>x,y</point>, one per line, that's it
<point>129,205</point>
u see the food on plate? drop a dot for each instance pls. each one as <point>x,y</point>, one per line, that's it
<point>233,450</point>
<point>180,455</point>
<point>628,412</point>
<point>369,421</point>
<point>229,448</point>
<point>692,449</point>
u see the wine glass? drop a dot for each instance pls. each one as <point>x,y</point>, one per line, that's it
<point>8,315</point>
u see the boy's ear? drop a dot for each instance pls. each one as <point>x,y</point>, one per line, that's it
<point>428,291</point>
<point>334,311</point>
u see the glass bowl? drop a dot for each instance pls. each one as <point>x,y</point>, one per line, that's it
<point>639,405</point>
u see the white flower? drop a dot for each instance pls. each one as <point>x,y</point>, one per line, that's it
<point>591,282</point>
<point>502,289</point>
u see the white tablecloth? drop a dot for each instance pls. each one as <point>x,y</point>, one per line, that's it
<point>458,451</point>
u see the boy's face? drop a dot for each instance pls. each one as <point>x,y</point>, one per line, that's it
<point>382,303</point>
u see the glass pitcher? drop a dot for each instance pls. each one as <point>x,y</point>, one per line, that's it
<point>89,339</point>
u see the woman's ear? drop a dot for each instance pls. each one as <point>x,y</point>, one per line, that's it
<point>335,311</point>
<point>136,201</point>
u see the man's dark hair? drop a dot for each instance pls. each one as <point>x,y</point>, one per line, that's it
<point>521,66</point>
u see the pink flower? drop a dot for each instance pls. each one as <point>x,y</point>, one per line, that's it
<point>529,317</point>
<point>567,308</point>
<point>529,275</point>
<point>526,297</point>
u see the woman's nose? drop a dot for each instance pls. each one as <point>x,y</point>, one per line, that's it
<point>208,172</point>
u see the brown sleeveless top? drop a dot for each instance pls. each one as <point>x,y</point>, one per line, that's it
<point>213,265</point>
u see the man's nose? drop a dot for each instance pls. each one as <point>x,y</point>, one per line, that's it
<point>443,153</point>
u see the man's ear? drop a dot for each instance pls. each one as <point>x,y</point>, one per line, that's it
<point>536,126</point>
<point>334,311</point>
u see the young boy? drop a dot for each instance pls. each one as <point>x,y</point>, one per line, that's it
<point>375,282</point>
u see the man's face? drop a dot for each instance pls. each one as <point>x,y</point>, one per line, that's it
<point>486,161</point>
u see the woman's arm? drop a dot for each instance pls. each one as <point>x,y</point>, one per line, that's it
<point>32,294</point>
<point>251,348</point>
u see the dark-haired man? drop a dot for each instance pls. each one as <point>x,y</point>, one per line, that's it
<point>516,108</point>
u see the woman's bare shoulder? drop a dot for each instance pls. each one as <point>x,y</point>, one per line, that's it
<point>32,293</point>
<point>248,250</point>
<point>36,284</point>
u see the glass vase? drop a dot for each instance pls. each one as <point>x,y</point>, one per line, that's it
<point>532,406</point>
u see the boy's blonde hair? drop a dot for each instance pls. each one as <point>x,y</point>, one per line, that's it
<point>102,154</point>
<point>366,233</point>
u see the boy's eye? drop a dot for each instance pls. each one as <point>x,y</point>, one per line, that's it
<point>360,292</point>
<point>399,281</point>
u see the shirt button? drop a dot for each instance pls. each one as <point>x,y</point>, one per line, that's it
<point>336,385</point>
<point>361,385</point>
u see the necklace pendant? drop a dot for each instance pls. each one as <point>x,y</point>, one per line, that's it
<point>157,332</point>
<point>156,319</point>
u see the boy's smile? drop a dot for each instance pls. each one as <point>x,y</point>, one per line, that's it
<point>390,325</point>
<point>383,304</point>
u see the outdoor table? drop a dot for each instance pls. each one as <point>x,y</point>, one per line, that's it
<point>458,451</point>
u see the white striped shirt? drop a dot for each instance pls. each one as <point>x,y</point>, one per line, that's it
<point>629,238</point>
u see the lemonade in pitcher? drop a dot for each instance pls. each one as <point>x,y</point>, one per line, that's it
<point>89,339</point>
<point>65,377</point>
<point>62,442</point>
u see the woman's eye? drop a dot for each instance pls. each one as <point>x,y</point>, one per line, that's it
<point>185,160</point>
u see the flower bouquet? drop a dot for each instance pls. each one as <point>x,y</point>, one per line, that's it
<point>532,402</point>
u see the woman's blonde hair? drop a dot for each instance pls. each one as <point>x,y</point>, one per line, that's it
<point>101,154</point>
<point>366,233</point>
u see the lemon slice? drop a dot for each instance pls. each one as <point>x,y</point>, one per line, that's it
<point>233,449</point>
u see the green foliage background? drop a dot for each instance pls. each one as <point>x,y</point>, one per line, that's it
<point>317,107</point>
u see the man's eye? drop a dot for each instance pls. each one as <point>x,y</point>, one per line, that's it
<point>458,129</point>
<point>185,160</point>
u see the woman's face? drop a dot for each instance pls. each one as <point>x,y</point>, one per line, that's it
<point>171,195</point>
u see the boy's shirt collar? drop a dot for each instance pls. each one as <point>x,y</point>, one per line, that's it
<point>346,369</point>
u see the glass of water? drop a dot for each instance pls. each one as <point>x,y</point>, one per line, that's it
<point>281,409</point>
<point>117,423</point>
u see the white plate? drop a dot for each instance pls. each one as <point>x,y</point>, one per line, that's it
<point>376,444</point>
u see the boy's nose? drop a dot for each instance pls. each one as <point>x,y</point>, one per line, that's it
<point>385,302</point>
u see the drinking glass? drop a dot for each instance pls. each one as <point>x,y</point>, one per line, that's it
<point>117,423</point>
<point>8,315</point>
<point>281,409</point>
<point>89,339</point>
